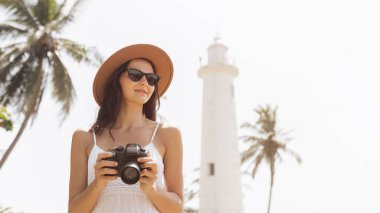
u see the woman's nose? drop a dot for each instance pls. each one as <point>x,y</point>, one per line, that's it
<point>144,80</point>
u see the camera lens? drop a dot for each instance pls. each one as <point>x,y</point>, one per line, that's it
<point>131,173</point>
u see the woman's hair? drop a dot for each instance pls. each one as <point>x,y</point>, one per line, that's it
<point>111,104</point>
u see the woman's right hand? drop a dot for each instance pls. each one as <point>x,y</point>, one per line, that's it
<point>101,180</point>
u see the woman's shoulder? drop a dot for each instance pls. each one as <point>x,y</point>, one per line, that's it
<point>82,139</point>
<point>170,133</point>
<point>82,134</point>
<point>169,128</point>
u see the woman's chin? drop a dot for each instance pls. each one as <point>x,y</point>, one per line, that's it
<point>140,101</point>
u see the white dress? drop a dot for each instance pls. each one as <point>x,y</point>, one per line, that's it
<point>118,197</point>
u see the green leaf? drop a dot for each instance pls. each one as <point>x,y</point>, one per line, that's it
<point>5,119</point>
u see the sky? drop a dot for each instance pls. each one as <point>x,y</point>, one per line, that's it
<point>318,61</point>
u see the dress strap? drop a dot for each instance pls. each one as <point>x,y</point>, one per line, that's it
<point>154,133</point>
<point>94,137</point>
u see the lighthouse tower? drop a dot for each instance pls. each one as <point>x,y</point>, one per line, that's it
<point>220,184</point>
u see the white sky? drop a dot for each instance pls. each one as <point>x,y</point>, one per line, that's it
<point>317,60</point>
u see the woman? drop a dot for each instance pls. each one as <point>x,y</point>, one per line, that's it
<point>127,88</point>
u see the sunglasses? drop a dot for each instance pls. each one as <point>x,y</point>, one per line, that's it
<point>136,75</point>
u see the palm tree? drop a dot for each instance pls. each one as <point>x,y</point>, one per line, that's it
<point>34,57</point>
<point>265,142</point>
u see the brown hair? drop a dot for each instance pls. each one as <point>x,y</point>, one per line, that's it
<point>111,103</point>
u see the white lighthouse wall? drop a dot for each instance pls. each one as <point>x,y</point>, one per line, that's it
<point>220,193</point>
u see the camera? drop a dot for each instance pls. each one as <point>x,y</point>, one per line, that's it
<point>126,157</point>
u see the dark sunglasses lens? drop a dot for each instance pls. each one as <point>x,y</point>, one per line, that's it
<point>152,79</point>
<point>135,75</point>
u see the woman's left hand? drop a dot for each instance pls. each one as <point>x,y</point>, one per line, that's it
<point>148,175</point>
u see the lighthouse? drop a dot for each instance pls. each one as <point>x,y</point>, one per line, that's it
<point>220,183</point>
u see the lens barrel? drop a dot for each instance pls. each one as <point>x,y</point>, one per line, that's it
<point>130,173</point>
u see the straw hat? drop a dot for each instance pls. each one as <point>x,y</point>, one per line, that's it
<point>161,61</point>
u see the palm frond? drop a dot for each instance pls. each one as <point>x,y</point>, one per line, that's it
<point>60,20</point>
<point>286,140</point>
<point>267,119</point>
<point>9,52</point>
<point>195,181</point>
<point>7,66</point>
<point>11,46</point>
<point>45,11</point>
<point>31,101</point>
<point>191,194</point>
<point>249,153</point>
<point>248,166</point>
<point>248,125</point>
<point>250,138</point>
<point>63,90</point>
<point>284,133</point>
<point>258,161</point>
<point>8,30</point>
<point>195,177</point>
<point>58,13</point>
<point>39,98</point>
<point>20,12</point>
<point>80,53</point>
<point>291,152</point>
<point>279,156</point>
<point>19,88</point>
<point>13,87</point>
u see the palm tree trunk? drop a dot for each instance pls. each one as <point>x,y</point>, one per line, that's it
<point>15,140</point>
<point>270,193</point>
<point>30,111</point>
<point>271,185</point>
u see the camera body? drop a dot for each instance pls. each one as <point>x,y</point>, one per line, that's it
<point>126,157</point>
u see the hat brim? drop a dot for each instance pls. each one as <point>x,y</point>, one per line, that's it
<point>161,61</point>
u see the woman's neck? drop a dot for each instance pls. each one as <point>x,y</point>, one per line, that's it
<point>130,117</point>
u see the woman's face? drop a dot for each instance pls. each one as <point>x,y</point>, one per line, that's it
<point>137,92</point>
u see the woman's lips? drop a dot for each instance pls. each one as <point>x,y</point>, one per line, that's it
<point>141,91</point>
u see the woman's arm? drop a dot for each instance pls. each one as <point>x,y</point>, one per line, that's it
<point>83,198</point>
<point>171,199</point>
